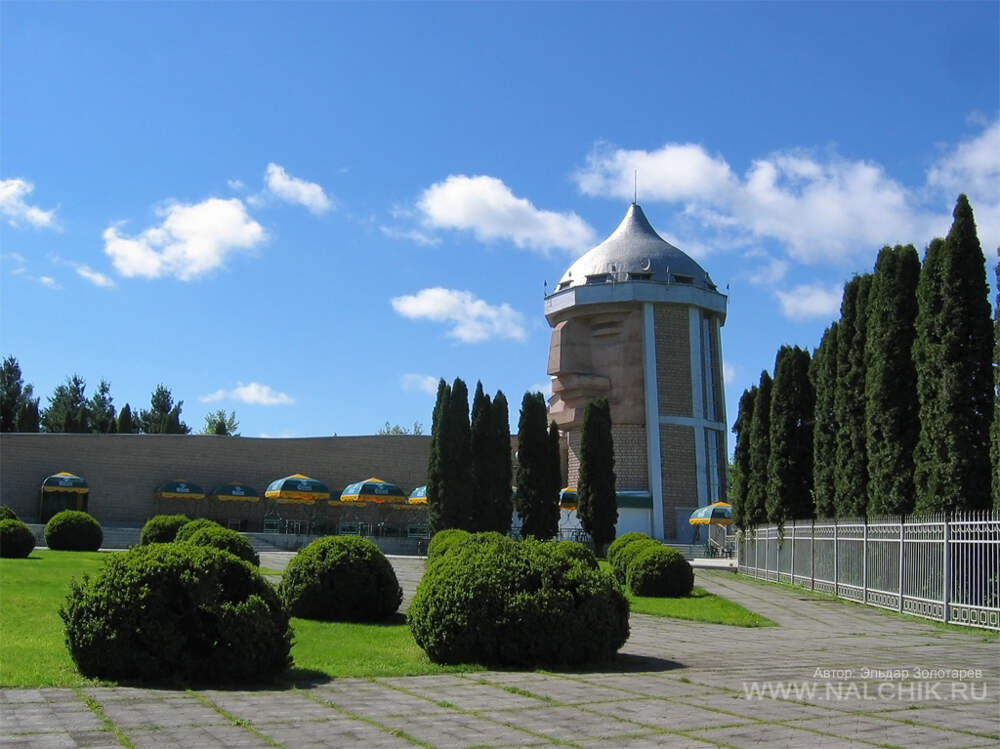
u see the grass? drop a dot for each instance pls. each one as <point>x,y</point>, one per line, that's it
<point>700,606</point>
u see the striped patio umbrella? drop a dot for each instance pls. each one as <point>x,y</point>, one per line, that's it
<point>567,499</point>
<point>179,489</point>
<point>235,492</point>
<point>297,489</point>
<point>65,482</point>
<point>373,490</point>
<point>717,513</point>
<point>418,496</point>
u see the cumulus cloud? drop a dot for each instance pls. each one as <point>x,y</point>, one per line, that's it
<point>192,240</point>
<point>769,273</point>
<point>17,211</point>
<point>414,235</point>
<point>809,301</point>
<point>423,383</point>
<point>95,277</point>
<point>489,209</point>
<point>294,190</point>
<point>472,320</point>
<point>252,393</point>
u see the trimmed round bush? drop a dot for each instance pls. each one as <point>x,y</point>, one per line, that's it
<point>444,541</point>
<point>16,539</point>
<point>162,529</point>
<point>621,542</point>
<point>190,528</point>
<point>173,611</point>
<point>660,571</point>
<point>7,513</point>
<point>498,601</point>
<point>576,551</point>
<point>72,530</point>
<point>340,578</point>
<point>625,553</point>
<point>227,540</point>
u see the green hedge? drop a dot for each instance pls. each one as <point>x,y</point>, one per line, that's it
<point>497,601</point>
<point>227,540</point>
<point>7,513</point>
<point>162,529</point>
<point>72,530</point>
<point>340,578</point>
<point>16,539</point>
<point>177,611</point>
<point>444,541</point>
<point>190,528</point>
<point>631,546</point>
<point>659,570</point>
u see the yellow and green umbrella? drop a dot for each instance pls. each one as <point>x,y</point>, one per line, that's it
<point>234,491</point>
<point>179,489</point>
<point>567,499</point>
<point>297,489</point>
<point>418,496</point>
<point>717,513</point>
<point>65,482</point>
<point>373,490</point>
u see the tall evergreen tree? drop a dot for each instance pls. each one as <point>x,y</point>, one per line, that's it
<point>500,502</point>
<point>891,424</point>
<point>478,516</point>
<point>126,422</point>
<point>741,457</point>
<point>790,461</point>
<point>28,419</point>
<point>102,410</point>
<point>755,509</point>
<point>953,352</point>
<point>995,442</point>
<point>538,503</point>
<point>163,415</point>
<point>823,374</point>
<point>458,462</point>
<point>67,409</point>
<point>17,403</point>
<point>597,505</point>
<point>851,479</point>
<point>438,517</point>
<point>555,462</point>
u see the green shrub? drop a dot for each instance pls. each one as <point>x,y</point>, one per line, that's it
<point>501,602</point>
<point>7,513</point>
<point>162,529</point>
<point>189,529</point>
<point>16,539</point>
<point>340,578</point>
<point>621,542</point>
<point>163,611</point>
<point>227,540</point>
<point>72,530</point>
<point>444,541</point>
<point>625,553</point>
<point>575,550</point>
<point>660,571</point>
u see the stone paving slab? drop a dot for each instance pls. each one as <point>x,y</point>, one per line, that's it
<point>565,723</point>
<point>461,730</point>
<point>670,716</point>
<point>865,728</point>
<point>372,700</point>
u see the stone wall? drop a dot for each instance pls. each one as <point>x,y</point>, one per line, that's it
<point>673,359</point>
<point>680,473</point>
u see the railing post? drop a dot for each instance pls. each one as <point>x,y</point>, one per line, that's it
<point>791,567</point>
<point>836,560</point>
<point>864,564</point>
<point>812,554</point>
<point>946,592</point>
<point>902,546</point>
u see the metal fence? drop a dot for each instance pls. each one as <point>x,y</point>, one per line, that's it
<point>938,567</point>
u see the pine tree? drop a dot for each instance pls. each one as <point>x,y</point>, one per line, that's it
<point>501,506</point>
<point>538,504</point>
<point>741,457</point>
<point>163,416</point>
<point>953,352</point>
<point>28,419</point>
<point>823,374</point>
<point>851,479</point>
<point>790,461</point>
<point>437,491</point>
<point>755,510</point>
<point>597,505</point>
<point>16,400</point>
<point>891,424</point>
<point>102,410</point>
<point>126,422</point>
<point>484,463</point>
<point>67,409</point>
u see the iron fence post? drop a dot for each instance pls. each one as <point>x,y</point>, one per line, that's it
<point>946,587</point>
<point>902,545</point>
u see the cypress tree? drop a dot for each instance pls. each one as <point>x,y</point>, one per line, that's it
<point>477,511</point>
<point>458,456</point>
<point>597,505</point>
<point>126,422</point>
<point>500,504</point>
<point>790,461</point>
<point>851,478</point>
<point>953,352</point>
<point>538,500</point>
<point>891,424</point>
<point>755,509</point>
<point>555,462</point>
<point>437,517</point>
<point>995,442</point>
<point>741,457</point>
<point>823,373</point>
<point>28,419</point>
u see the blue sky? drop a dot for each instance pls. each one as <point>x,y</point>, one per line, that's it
<point>307,213</point>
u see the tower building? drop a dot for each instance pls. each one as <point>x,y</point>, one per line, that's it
<point>638,321</point>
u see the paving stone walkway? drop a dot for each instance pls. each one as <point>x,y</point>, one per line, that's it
<point>832,674</point>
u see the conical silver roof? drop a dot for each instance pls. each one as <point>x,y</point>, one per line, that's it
<point>635,252</point>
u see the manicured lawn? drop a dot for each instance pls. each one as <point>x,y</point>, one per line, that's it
<point>700,606</point>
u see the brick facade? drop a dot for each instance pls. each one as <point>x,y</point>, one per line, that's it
<point>673,359</point>
<point>679,470</point>
<point>631,470</point>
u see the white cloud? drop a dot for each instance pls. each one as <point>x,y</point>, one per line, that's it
<point>543,388</point>
<point>253,393</point>
<point>191,241</point>
<point>236,184</point>
<point>810,301</point>
<point>770,273</point>
<point>49,282</point>
<point>423,383</point>
<point>487,207</point>
<point>294,190</point>
<point>728,373</point>
<point>414,235</point>
<point>12,205</point>
<point>472,319</point>
<point>95,277</point>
